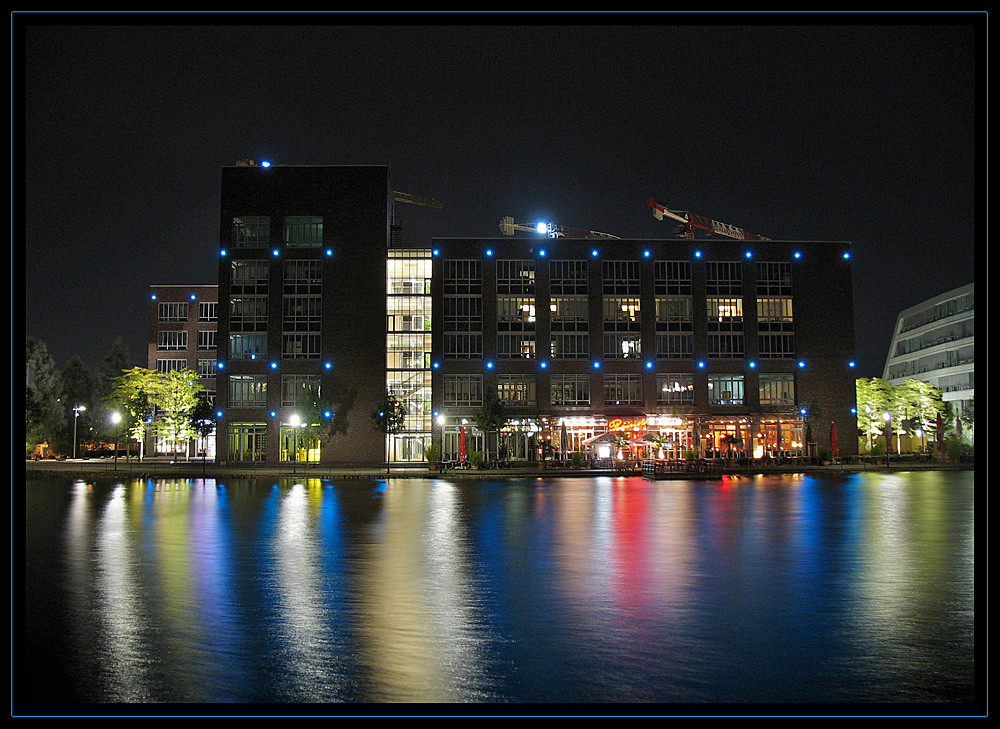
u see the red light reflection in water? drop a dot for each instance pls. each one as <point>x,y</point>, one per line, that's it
<point>630,503</point>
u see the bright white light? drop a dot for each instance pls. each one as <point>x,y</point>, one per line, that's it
<point>440,419</point>
<point>541,227</point>
<point>265,163</point>
<point>294,420</point>
<point>116,418</point>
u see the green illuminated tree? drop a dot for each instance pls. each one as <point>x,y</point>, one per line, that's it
<point>131,395</point>
<point>175,395</point>
<point>873,403</point>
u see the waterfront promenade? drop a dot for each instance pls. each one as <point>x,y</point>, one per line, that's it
<point>161,468</point>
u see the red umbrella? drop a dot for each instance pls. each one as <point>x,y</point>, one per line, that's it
<point>462,455</point>
<point>833,440</point>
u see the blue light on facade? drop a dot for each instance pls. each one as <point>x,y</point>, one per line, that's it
<point>329,251</point>
<point>489,251</point>
<point>796,255</point>
<point>218,413</point>
<point>597,365</point>
<point>749,254</point>
<point>543,364</point>
<point>594,252</point>
<point>275,252</point>
<point>701,364</point>
<point>647,254</point>
<point>220,365</point>
<point>801,363</point>
<point>489,365</point>
<point>222,252</point>
<point>274,365</point>
<point>436,365</point>
<point>752,365</point>
<point>697,254</point>
<point>649,365</point>
<point>328,365</point>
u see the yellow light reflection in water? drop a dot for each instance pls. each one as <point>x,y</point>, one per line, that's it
<point>416,605</point>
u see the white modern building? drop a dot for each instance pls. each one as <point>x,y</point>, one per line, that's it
<point>934,341</point>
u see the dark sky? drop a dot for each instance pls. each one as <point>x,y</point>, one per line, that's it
<point>858,128</point>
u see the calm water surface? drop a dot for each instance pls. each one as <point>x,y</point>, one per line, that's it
<point>855,588</point>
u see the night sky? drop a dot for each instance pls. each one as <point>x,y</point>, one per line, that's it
<point>815,127</point>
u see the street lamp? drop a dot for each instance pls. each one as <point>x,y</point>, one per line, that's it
<point>441,421</point>
<point>76,414</point>
<point>116,418</point>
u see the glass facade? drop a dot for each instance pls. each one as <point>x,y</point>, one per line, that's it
<point>408,346</point>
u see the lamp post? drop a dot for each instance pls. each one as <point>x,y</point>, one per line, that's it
<point>294,421</point>
<point>440,421</point>
<point>76,414</point>
<point>116,418</point>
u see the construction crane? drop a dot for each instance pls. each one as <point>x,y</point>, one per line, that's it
<point>553,230</point>
<point>692,221</point>
<point>405,197</point>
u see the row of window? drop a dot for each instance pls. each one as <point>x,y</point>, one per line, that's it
<point>253,231</point>
<point>171,340</point>
<point>620,345</point>
<point>251,390</point>
<point>206,367</point>
<point>574,390</point>
<point>179,311</point>
<point>722,278</point>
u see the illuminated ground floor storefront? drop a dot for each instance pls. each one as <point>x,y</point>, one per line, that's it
<point>654,436</point>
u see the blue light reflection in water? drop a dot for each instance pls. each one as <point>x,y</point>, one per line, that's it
<point>757,589</point>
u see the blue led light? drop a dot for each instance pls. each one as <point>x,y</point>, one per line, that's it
<point>701,364</point>
<point>803,411</point>
<point>153,297</point>
<point>852,363</point>
<point>220,365</point>
<point>542,253</point>
<point>489,365</point>
<point>801,363</point>
<point>847,255</point>
<point>597,365</point>
<point>543,364</point>
<point>697,254</point>
<point>327,414</point>
<point>218,413</point>
<point>752,365</point>
<point>436,365</point>
<point>193,297</point>
<point>437,252</point>
<point>265,163</point>
<point>649,365</point>
<point>796,255</point>
<point>329,251</point>
<point>647,254</point>
<point>274,365</point>
<point>594,252</point>
<point>854,411</point>
<point>328,365</point>
<point>749,254</point>
<point>489,251</point>
<point>275,252</point>
<point>222,252</point>
<point>273,414</point>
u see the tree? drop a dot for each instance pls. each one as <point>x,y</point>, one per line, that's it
<point>324,412</point>
<point>115,362</point>
<point>78,389</point>
<point>175,395</point>
<point>203,420</point>
<point>131,395</point>
<point>491,416</point>
<point>44,416</point>
<point>389,418</point>
<point>921,402</point>
<point>872,402</point>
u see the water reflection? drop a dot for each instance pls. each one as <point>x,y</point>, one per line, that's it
<point>858,588</point>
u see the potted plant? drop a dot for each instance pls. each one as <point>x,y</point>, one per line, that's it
<point>475,459</point>
<point>433,455</point>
